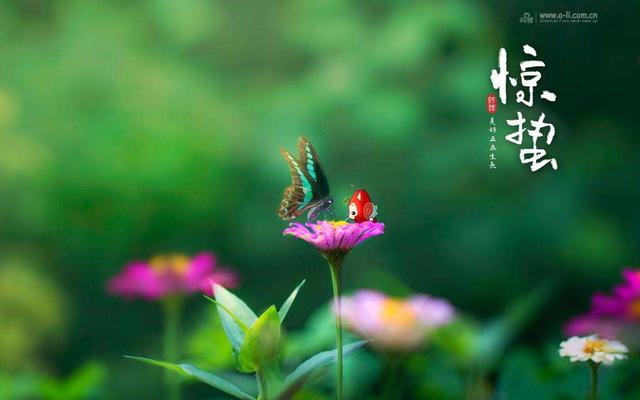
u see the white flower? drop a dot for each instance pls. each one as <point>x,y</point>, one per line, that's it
<point>593,348</point>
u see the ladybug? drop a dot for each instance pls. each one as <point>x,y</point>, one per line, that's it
<point>361,208</point>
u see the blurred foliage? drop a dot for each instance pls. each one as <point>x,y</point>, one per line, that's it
<point>456,363</point>
<point>531,374</point>
<point>33,315</point>
<point>207,345</point>
<point>132,128</point>
<point>86,383</point>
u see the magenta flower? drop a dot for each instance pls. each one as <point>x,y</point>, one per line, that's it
<point>395,325</point>
<point>335,236</point>
<point>623,303</point>
<point>587,324</point>
<point>166,275</point>
<point>334,240</point>
<point>614,315</point>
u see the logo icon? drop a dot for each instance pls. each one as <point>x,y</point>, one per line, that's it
<point>526,18</point>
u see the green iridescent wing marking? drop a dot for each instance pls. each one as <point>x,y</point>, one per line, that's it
<point>309,158</point>
<point>308,187</point>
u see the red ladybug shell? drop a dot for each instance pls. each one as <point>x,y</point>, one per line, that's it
<point>360,206</point>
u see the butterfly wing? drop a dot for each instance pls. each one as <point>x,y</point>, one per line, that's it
<point>309,188</point>
<point>299,194</point>
<point>312,167</point>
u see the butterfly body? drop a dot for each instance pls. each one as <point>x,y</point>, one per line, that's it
<point>309,189</point>
<point>361,208</point>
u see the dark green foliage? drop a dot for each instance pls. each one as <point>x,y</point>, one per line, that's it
<point>129,128</point>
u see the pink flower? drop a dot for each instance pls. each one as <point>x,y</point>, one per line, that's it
<point>398,325</point>
<point>632,277</point>
<point>611,315</point>
<point>335,236</point>
<point>588,324</point>
<point>166,275</point>
<point>624,303</point>
<point>334,239</point>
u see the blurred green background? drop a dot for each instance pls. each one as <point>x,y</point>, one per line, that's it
<point>129,128</point>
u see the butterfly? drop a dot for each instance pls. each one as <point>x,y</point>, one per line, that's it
<point>309,189</point>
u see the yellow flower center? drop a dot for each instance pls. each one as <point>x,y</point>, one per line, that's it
<point>634,308</point>
<point>397,312</point>
<point>337,224</point>
<point>170,263</point>
<point>594,346</point>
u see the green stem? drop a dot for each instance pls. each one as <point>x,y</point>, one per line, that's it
<point>172,308</point>
<point>336,281</point>
<point>476,387</point>
<point>594,379</point>
<point>393,387</point>
<point>269,381</point>
<point>262,385</point>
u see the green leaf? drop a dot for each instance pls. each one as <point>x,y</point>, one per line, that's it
<point>191,371</point>
<point>498,334</point>
<point>294,382</point>
<point>234,304</point>
<point>262,342</point>
<point>234,332</point>
<point>238,322</point>
<point>282,313</point>
<point>232,309</point>
<point>81,384</point>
